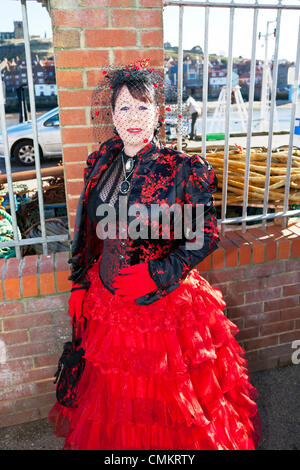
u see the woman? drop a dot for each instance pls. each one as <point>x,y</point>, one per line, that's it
<point>163,370</point>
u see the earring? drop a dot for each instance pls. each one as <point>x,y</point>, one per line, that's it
<point>157,128</point>
<point>116,132</point>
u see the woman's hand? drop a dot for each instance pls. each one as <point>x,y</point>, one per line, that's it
<point>78,292</point>
<point>134,282</point>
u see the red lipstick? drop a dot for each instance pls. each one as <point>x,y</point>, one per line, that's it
<point>134,130</point>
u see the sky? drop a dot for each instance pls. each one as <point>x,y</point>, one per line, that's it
<point>193,27</point>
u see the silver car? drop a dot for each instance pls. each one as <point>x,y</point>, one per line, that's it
<point>20,139</point>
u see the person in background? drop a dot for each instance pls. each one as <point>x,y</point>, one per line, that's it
<point>194,110</point>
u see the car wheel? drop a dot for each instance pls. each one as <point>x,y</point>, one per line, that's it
<point>23,153</point>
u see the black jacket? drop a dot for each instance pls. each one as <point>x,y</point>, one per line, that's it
<point>162,176</point>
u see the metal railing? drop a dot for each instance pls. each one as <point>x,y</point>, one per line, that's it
<point>232,6</point>
<point>44,239</point>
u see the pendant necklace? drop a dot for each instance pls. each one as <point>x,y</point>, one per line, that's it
<point>128,168</point>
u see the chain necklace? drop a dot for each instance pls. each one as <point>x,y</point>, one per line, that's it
<point>128,168</point>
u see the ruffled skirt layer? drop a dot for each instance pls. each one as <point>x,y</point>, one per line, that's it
<point>169,375</point>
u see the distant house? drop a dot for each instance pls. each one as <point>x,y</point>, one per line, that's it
<point>17,33</point>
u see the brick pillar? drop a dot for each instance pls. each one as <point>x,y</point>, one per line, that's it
<point>88,35</point>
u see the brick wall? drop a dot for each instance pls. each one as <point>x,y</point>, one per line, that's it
<point>259,276</point>
<point>34,324</point>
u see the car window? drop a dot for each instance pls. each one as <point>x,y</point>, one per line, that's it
<point>51,120</point>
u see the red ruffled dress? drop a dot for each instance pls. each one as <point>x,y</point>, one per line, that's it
<point>169,375</point>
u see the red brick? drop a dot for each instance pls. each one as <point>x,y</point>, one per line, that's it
<point>275,351</point>
<point>11,308</point>
<point>260,343</point>
<point>72,204</point>
<point>63,38</point>
<point>27,321</point>
<point>270,243</point>
<point>218,258</point>
<point>245,310</point>
<point>29,276</point>
<point>12,289</point>
<point>14,337</point>
<point>291,290</point>
<point>289,336</point>
<point>230,251</point>
<point>136,18</point>
<point>81,58</point>
<point>258,248</point>
<point>74,98</point>
<point>151,3</point>
<point>271,250</point>
<point>17,364</point>
<point>126,56</point>
<point>264,294</point>
<point>262,318</point>
<point>292,265</point>
<point>251,355</point>
<point>40,333</point>
<point>2,267</point>
<point>62,315</point>
<point>204,265</point>
<point>284,249</point>
<point>13,393</point>
<point>45,386</point>
<point>245,251</point>
<point>34,402</point>
<point>45,360</point>
<point>278,327</point>
<point>283,279</point>
<point>13,268</point>
<point>28,349</point>
<point>152,38</point>
<point>11,280</point>
<point>289,313</point>
<point>110,38</point>
<point>245,255</point>
<point>46,272</point>
<point>80,18</point>
<point>247,333</point>
<point>33,375</point>
<point>93,77</point>
<point>48,303</point>
<point>248,285</point>
<point>69,117</point>
<point>281,303</point>
<point>77,134</point>
<point>266,269</point>
<point>234,299</point>
<point>74,188</point>
<point>73,171</point>
<point>19,418</point>
<point>76,154</point>
<point>295,249</point>
<point>109,3</point>
<point>226,275</point>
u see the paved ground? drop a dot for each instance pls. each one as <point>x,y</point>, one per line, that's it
<point>278,404</point>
